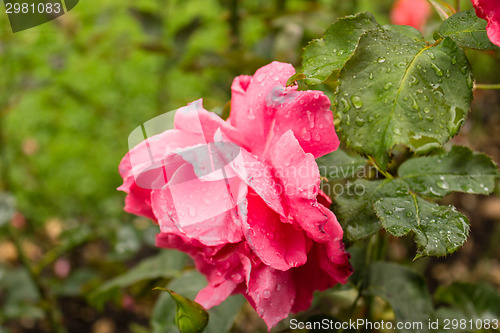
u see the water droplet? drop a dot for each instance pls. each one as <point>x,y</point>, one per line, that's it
<point>409,214</point>
<point>453,60</point>
<point>266,294</point>
<point>388,85</point>
<point>357,102</point>
<point>370,76</point>
<point>251,113</point>
<point>191,211</point>
<point>415,105</point>
<point>359,121</point>
<point>381,59</point>
<point>442,183</point>
<point>388,212</point>
<point>278,287</point>
<point>306,135</point>
<point>427,110</point>
<point>432,56</point>
<point>413,81</point>
<point>310,118</point>
<point>345,104</point>
<point>437,70</point>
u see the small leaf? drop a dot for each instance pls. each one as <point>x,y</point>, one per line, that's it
<point>396,89</point>
<point>475,301</point>
<point>324,56</point>
<point>459,170</point>
<point>438,230</point>
<point>404,290</point>
<point>444,9</point>
<point>166,264</point>
<point>467,30</point>
<point>189,284</point>
<point>354,206</point>
<point>340,165</point>
<point>190,316</point>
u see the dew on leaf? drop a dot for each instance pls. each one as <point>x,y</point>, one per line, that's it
<point>357,102</point>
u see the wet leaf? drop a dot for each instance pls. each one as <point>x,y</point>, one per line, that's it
<point>354,206</point>
<point>444,9</point>
<point>396,89</point>
<point>437,230</point>
<point>339,165</point>
<point>404,290</point>
<point>467,30</point>
<point>166,264</point>
<point>190,317</point>
<point>324,56</point>
<point>475,301</point>
<point>459,170</point>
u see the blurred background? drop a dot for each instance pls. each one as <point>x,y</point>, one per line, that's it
<point>73,89</point>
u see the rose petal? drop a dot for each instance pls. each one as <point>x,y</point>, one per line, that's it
<point>489,10</point>
<point>209,212</point>
<point>263,109</point>
<point>279,245</point>
<point>299,176</point>
<point>193,118</point>
<point>272,293</point>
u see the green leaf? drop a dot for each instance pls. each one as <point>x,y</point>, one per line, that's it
<point>166,264</point>
<point>396,89</point>
<point>467,30</point>
<point>354,206</point>
<point>339,165</point>
<point>438,230</point>
<point>444,9</point>
<point>475,301</point>
<point>404,290</point>
<point>459,170</point>
<point>19,294</point>
<point>7,208</point>
<point>190,317</point>
<point>189,284</point>
<point>323,57</point>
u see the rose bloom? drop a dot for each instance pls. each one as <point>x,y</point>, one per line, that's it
<point>411,12</point>
<point>242,197</point>
<point>489,10</point>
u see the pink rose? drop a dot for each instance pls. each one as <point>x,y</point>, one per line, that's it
<point>411,12</point>
<point>489,10</point>
<point>242,196</point>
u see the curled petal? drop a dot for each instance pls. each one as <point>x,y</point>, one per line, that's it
<point>271,292</point>
<point>209,212</point>
<point>262,109</point>
<point>489,10</point>
<point>279,245</point>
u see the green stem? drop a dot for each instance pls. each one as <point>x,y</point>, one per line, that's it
<point>374,163</point>
<point>457,5</point>
<point>486,86</point>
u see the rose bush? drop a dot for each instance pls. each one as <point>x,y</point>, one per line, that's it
<point>489,10</point>
<point>242,197</point>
